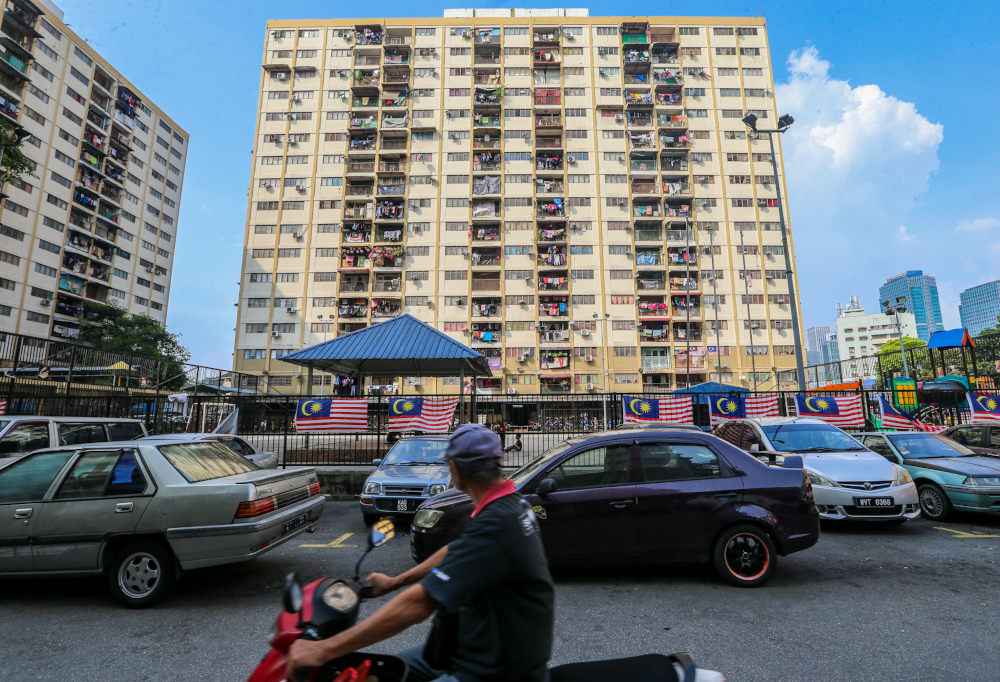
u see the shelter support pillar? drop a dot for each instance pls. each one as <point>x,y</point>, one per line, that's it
<point>309,381</point>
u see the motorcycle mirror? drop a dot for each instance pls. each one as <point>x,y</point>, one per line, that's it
<point>291,596</point>
<point>382,532</point>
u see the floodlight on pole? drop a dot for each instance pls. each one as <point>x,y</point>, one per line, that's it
<point>750,120</point>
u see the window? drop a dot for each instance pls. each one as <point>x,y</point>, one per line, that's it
<point>79,76</point>
<point>750,51</point>
<point>688,30</point>
<point>625,351</point>
<point>696,92</point>
<point>425,31</point>
<point>753,71</point>
<point>593,468</point>
<point>42,71</point>
<point>609,30</point>
<point>39,268</point>
<point>725,51</point>
<point>37,317</point>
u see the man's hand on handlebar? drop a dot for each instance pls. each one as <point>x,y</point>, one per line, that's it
<point>382,584</point>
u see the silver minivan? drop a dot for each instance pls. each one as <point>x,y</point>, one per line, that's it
<point>21,434</point>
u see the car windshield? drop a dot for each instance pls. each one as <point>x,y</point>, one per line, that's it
<point>525,472</point>
<point>927,445</point>
<point>417,451</point>
<point>809,438</point>
<point>205,461</point>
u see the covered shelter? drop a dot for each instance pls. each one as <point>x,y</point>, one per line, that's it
<point>699,392</point>
<point>402,346</point>
<point>947,340</point>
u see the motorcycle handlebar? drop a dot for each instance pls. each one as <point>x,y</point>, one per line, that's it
<point>301,675</point>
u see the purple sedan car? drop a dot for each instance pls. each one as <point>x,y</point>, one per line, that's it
<point>650,496</point>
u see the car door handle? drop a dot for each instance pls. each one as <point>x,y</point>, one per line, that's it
<point>22,513</point>
<point>724,496</point>
<point>621,504</point>
<point>123,507</point>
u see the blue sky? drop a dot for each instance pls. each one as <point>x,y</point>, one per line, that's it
<point>891,164</point>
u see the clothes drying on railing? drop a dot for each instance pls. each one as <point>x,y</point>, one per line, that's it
<point>388,209</point>
<point>675,188</point>
<point>549,163</point>
<point>553,234</point>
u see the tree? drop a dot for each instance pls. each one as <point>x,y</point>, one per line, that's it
<point>14,164</point>
<point>891,360</point>
<point>112,328</point>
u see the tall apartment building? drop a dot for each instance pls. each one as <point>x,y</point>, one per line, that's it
<point>979,307</point>
<point>98,220</point>
<point>921,295</point>
<point>576,197</point>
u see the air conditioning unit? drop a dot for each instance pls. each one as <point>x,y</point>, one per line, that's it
<point>527,278</point>
<point>281,75</point>
<point>349,37</point>
<point>449,113</point>
<point>769,276</point>
<point>603,73</point>
<point>415,278</point>
<point>569,37</point>
<point>149,269</point>
<point>522,358</point>
<point>467,36</point>
<point>621,201</point>
<point>46,301</point>
<point>511,391</point>
<point>619,118</point>
<point>585,332</point>
<point>296,97</point>
<point>589,358</point>
<point>628,251</point>
<point>301,188</point>
<point>275,335</point>
<point>289,309</point>
<point>297,235</point>
<point>571,160</point>
<point>754,325</point>
<point>417,229</point>
<point>521,301</point>
<point>413,204</point>
<point>591,387</point>
<point>430,304</point>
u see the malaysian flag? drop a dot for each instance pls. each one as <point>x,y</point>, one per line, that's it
<point>842,412</point>
<point>762,406</point>
<point>895,418</point>
<point>638,410</point>
<point>723,408</point>
<point>326,414</point>
<point>421,414</point>
<point>985,408</point>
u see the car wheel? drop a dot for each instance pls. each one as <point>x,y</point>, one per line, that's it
<point>934,504</point>
<point>370,519</point>
<point>141,574</point>
<point>744,555</point>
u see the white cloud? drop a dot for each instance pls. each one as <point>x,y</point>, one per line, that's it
<point>978,225</point>
<point>856,160</point>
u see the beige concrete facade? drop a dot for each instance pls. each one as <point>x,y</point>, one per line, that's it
<point>574,196</point>
<point>98,222</point>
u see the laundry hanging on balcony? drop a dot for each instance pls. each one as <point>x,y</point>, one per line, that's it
<point>488,184</point>
<point>395,121</point>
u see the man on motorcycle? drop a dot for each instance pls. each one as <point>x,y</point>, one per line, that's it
<point>494,577</point>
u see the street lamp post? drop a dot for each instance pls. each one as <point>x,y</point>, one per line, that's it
<point>604,375</point>
<point>783,124</point>
<point>896,310</point>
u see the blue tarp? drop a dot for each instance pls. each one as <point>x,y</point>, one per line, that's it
<point>402,346</point>
<point>951,338</point>
<point>700,392</point>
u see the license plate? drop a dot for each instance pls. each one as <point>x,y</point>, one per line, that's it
<point>402,505</point>
<point>874,502</point>
<point>294,523</point>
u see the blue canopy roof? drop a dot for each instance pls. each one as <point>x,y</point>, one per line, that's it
<point>951,338</point>
<point>712,387</point>
<point>402,346</point>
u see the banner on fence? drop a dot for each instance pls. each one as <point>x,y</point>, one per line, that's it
<point>326,415</point>
<point>739,407</point>
<point>895,418</point>
<point>421,414</point>
<point>847,411</point>
<point>639,410</point>
<point>985,408</point>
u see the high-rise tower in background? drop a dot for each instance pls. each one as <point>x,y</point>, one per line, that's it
<point>98,222</point>
<point>921,295</point>
<point>979,307</point>
<point>574,196</point>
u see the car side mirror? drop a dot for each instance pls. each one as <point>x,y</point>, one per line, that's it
<point>793,462</point>
<point>377,461</point>
<point>546,487</point>
<point>755,447</point>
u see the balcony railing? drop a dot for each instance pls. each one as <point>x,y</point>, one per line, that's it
<point>674,142</point>
<point>647,211</point>
<point>642,166</point>
<point>486,79</point>
<point>485,285</point>
<point>656,363</point>
<point>677,211</point>
<point>675,188</point>
<point>552,36</point>
<point>487,59</point>
<point>664,56</point>
<point>361,167</point>
<point>548,122</point>
<point>367,60</point>
<point>556,388</point>
<point>653,309</point>
<point>549,186</point>
<point>546,57</point>
<point>487,39</point>
<point>548,99</point>
<point>481,121</point>
<point>561,336</point>
<point>480,143</point>
<point>644,188</point>
<point>647,235</point>
<point>638,98</point>
<point>358,191</point>
<point>367,80</point>
<point>397,40</point>
<point>396,77</point>
<point>671,121</point>
<point>390,145</point>
<point>388,286</point>
<point>391,167</point>
<point>18,64</point>
<point>667,77</point>
<point>398,189</point>
<point>369,37</point>
<point>367,122</point>
<point>548,142</point>
<point>680,236</point>
<point>360,213</point>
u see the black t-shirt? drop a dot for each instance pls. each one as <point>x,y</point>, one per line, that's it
<point>497,579</point>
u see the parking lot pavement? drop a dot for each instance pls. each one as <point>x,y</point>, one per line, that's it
<point>911,602</point>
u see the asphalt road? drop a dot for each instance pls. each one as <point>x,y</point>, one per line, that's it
<point>911,602</point>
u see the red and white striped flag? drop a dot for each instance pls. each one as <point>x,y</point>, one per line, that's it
<point>762,406</point>
<point>895,418</point>
<point>421,414</point>
<point>636,410</point>
<point>844,411</point>
<point>326,414</point>
<point>3,407</point>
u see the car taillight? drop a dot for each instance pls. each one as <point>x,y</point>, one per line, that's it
<point>259,507</point>
<point>807,488</point>
<point>314,489</point>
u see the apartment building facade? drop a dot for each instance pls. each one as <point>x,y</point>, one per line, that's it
<point>98,221</point>
<point>576,197</point>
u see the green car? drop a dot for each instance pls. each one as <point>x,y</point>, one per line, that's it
<point>949,476</point>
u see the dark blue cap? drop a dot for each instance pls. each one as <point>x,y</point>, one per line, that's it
<point>474,447</point>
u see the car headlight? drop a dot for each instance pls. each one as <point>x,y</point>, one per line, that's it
<point>372,488</point>
<point>819,479</point>
<point>902,476</point>
<point>426,518</point>
<point>340,597</point>
<point>982,480</point>
<point>438,488</point>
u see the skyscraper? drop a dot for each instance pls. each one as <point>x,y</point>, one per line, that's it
<point>574,196</point>
<point>979,307</point>
<point>98,220</point>
<point>921,295</point>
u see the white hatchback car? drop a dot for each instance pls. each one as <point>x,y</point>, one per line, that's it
<point>849,480</point>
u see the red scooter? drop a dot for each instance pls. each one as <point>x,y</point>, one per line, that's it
<point>327,606</point>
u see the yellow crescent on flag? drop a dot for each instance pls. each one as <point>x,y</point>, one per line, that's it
<point>635,410</point>
<point>306,404</point>
<point>989,405</point>
<point>814,409</point>
<point>395,405</point>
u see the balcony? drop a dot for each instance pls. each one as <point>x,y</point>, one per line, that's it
<point>669,99</point>
<point>486,121</point>
<point>392,145</point>
<point>390,285</point>
<point>486,142</point>
<point>646,211</point>
<point>486,332</point>
<point>673,141</point>
<point>107,214</point>
<point>681,236</point>
<point>648,258</point>
<point>691,361</point>
<point>355,235</point>
<point>397,41</point>
<point>682,283</point>
<point>369,36</point>
<point>548,142</point>
<point>386,307</point>
<point>549,162</point>
<point>674,163</point>
<point>640,140</point>
<point>486,258</point>
<point>355,257</point>
<point>485,284</point>
<point>485,209</point>
<point>546,36</point>
<point>553,282</point>
<point>642,166</point>
<point>486,78</point>
<point>555,385</point>
<point>397,77</point>
<point>550,208</point>
<point>353,308</point>
<point>548,122</point>
<point>669,77</point>
<point>653,307</point>
<point>654,332</point>
<point>368,60</point>
<point>552,235</point>
<point>361,144</point>
<point>664,55</point>
<point>363,212</point>
<point>490,38</point>
<point>365,79</point>
<point>674,188</point>
<point>677,211</point>
<point>548,97</point>
<point>358,191</point>
<point>546,57</point>
<point>648,283</point>
<point>349,284</point>
<point>389,210</point>
<point>636,119</point>
<point>397,188</point>
<point>552,256</point>
<point>85,200</point>
<point>365,121</point>
<point>682,255</point>
<point>548,359</point>
<point>487,306</point>
<point>487,161</point>
<point>486,233</point>
<point>671,121</point>
<point>365,101</point>
<point>655,362</point>
<point>647,235</point>
<point>18,66</point>
<point>644,188</point>
<point>488,97</point>
<point>391,167</point>
<point>561,335</point>
<point>484,58</point>
<point>553,306</point>
<point>360,168</point>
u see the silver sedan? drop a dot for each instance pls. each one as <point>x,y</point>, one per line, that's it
<point>265,460</point>
<point>140,511</point>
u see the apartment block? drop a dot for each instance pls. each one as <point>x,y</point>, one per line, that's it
<point>98,220</point>
<point>575,197</point>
